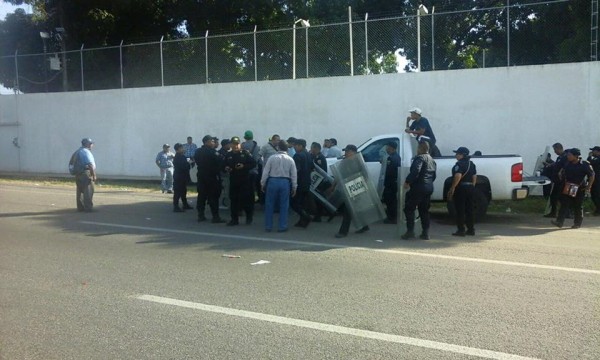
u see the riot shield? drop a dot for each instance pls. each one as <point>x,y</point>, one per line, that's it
<point>321,186</point>
<point>359,193</point>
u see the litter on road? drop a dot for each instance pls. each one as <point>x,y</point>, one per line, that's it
<point>261,262</point>
<point>231,256</point>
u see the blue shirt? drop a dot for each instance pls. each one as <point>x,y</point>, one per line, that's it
<point>189,150</point>
<point>165,159</point>
<point>85,159</point>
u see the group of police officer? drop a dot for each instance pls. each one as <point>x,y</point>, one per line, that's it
<point>572,177</point>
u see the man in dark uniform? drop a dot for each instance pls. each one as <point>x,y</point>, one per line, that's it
<point>209,180</point>
<point>349,152</point>
<point>557,182</point>
<point>390,183</point>
<point>304,166</point>
<point>319,160</point>
<point>574,173</point>
<point>181,177</point>
<point>594,160</point>
<point>238,163</point>
<point>420,182</point>
<point>422,129</point>
<point>464,178</point>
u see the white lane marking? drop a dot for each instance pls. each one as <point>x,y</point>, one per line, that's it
<point>338,246</point>
<point>465,350</point>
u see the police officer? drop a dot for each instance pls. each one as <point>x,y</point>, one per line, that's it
<point>420,182</point>
<point>304,166</point>
<point>574,172</point>
<point>594,160</point>
<point>349,152</point>
<point>557,182</point>
<point>238,163</point>
<point>390,183</point>
<point>319,160</point>
<point>209,180</point>
<point>464,178</point>
<point>181,177</point>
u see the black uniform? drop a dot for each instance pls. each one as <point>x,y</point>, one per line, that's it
<point>304,166</point>
<point>209,181</point>
<point>390,187</point>
<point>595,191</point>
<point>241,187</point>
<point>463,195</point>
<point>574,173</point>
<point>557,182</point>
<point>181,177</point>
<point>421,177</point>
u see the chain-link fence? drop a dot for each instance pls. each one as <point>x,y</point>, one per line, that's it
<point>494,37</point>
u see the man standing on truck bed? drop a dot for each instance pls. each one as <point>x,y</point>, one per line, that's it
<point>422,129</point>
<point>464,178</point>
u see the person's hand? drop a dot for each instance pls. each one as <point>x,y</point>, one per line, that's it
<point>407,130</point>
<point>263,189</point>
<point>239,166</point>
<point>406,186</point>
<point>450,194</point>
<point>293,192</point>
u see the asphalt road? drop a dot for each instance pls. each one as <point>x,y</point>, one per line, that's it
<point>134,280</point>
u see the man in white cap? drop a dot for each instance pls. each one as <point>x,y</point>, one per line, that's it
<point>422,129</point>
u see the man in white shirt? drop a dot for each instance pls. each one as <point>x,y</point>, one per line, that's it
<point>334,151</point>
<point>279,180</point>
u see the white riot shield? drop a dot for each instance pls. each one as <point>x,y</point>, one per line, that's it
<point>360,195</point>
<point>321,187</point>
<point>402,174</point>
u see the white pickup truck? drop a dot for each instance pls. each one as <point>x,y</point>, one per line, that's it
<point>499,177</point>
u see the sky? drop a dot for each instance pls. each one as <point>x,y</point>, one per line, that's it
<point>6,8</point>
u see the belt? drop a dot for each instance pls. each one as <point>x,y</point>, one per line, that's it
<point>279,177</point>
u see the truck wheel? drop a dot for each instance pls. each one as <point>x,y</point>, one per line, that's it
<point>480,205</point>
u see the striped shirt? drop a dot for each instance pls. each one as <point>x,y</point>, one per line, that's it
<point>280,165</point>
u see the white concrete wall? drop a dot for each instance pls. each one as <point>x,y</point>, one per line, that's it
<point>498,111</point>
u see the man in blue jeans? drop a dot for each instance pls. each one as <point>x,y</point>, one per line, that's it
<point>279,180</point>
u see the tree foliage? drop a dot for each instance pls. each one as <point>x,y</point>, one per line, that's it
<point>539,34</point>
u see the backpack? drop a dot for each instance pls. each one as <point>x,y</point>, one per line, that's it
<point>74,163</point>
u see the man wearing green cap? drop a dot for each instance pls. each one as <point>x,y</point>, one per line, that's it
<point>252,147</point>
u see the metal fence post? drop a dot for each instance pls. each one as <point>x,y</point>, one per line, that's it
<point>255,57</point>
<point>81,67</point>
<point>351,42</point>
<point>162,65</point>
<point>206,54</point>
<point>306,50</point>
<point>507,32</point>
<point>432,39</point>
<point>121,61</point>
<point>366,45</point>
<point>17,70</point>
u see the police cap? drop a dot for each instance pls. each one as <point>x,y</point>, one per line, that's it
<point>462,150</point>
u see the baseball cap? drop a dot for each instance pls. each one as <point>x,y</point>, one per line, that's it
<point>225,142</point>
<point>351,148</point>
<point>166,145</point>
<point>415,110</point>
<point>462,150</point>
<point>86,141</point>
<point>207,138</point>
<point>248,135</point>
<point>235,140</point>
<point>574,151</point>
<point>595,148</point>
